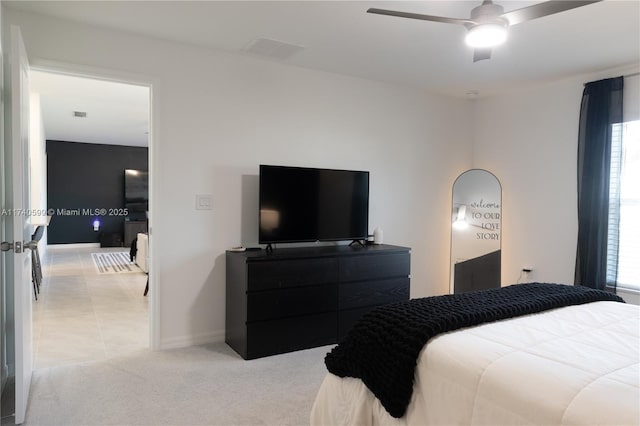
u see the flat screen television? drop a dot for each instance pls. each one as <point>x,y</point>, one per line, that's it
<point>136,193</point>
<point>299,204</point>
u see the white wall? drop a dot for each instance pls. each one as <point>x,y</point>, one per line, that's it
<point>37,167</point>
<point>529,139</point>
<point>631,105</point>
<point>221,115</point>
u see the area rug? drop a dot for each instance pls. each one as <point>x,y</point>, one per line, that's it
<point>114,263</point>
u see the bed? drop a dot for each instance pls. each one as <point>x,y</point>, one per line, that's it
<point>575,364</point>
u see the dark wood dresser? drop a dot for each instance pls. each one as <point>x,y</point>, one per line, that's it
<point>298,298</point>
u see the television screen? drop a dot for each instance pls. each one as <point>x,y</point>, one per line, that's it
<point>303,204</point>
<point>136,192</point>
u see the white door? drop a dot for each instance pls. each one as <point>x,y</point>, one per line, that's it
<point>17,228</point>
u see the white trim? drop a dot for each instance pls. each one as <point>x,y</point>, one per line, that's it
<point>94,73</point>
<point>154,276</point>
<point>72,246</point>
<point>153,83</point>
<point>193,340</point>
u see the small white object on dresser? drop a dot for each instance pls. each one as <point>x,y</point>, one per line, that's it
<point>377,236</point>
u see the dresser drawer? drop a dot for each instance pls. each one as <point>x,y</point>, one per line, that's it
<point>372,293</point>
<point>291,302</point>
<point>266,338</point>
<point>291,273</point>
<point>377,266</point>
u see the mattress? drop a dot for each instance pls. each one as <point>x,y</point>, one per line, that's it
<point>572,365</point>
<point>142,257</point>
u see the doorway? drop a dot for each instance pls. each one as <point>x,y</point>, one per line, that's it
<point>92,303</point>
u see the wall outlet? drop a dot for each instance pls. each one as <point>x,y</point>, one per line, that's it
<point>204,202</point>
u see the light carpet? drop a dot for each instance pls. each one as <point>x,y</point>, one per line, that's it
<point>202,385</point>
<point>114,263</point>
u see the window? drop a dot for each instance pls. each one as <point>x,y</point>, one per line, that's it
<point>623,250</point>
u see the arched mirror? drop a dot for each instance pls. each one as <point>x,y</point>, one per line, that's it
<point>476,228</point>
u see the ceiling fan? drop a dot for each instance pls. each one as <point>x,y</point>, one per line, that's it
<point>487,26</point>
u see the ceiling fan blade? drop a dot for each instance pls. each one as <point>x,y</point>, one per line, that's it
<point>419,16</point>
<point>543,9</point>
<point>481,53</point>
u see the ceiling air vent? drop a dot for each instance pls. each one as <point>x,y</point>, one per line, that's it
<point>80,114</point>
<point>273,49</point>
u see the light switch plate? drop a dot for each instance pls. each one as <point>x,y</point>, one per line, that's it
<point>204,202</point>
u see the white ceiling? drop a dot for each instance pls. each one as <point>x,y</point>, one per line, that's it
<point>117,114</point>
<point>338,36</point>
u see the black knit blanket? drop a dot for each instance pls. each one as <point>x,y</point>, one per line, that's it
<point>382,349</point>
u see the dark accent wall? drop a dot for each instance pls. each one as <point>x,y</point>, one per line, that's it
<point>87,176</point>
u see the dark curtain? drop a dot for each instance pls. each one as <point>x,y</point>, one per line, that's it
<point>601,107</point>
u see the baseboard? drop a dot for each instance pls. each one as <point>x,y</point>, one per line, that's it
<point>72,246</point>
<point>192,340</point>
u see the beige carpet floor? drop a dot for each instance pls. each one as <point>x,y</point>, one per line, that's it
<point>204,385</point>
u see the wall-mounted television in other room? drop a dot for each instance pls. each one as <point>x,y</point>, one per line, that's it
<point>136,193</point>
<point>300,204</point>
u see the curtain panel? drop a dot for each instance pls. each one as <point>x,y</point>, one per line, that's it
<point>601,107</point>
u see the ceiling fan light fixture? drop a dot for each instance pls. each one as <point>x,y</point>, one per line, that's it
<point>486,35</point>
<point>488,23</point>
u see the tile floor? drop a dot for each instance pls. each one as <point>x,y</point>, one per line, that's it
<point>84,316</point>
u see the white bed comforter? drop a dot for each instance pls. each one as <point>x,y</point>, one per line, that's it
<point>574,365</point>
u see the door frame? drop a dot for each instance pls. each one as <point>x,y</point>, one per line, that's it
<point>18,231</point>
<point>153,83</point>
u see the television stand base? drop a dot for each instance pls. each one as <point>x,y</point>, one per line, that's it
<point>269,249</point>
<point>354,242</point>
